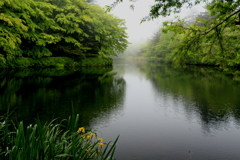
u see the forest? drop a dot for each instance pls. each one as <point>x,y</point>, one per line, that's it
<point>58,33</point>
<point>208,38</point>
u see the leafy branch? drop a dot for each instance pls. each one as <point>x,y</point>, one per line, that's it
<point>213,28</point>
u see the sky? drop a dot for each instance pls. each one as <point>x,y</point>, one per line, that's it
<point>139,31</point>
<point>133,18</point>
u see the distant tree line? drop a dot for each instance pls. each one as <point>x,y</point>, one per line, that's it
<point>211,38</point>
<point>206,39</point>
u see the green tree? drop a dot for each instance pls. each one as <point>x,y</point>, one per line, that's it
<point>12,27</point>
<point>58,28</point>
<point>108,35</point>
<point>212,39</point>
<point>214,42</point>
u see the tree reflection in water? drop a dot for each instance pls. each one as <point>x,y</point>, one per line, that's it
<point>49,93</point>
<point>213,94</point>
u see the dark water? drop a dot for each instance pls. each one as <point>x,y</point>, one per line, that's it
<point>159,112</point>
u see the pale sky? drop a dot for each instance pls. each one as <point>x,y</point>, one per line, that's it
<point>137,31</point>
<point>133,18</point>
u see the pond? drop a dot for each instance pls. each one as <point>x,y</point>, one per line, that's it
<point>160,112</point>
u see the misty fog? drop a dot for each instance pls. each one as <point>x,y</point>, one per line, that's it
<point>139,33</point>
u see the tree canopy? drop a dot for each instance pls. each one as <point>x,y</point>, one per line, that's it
<point>68,28</point>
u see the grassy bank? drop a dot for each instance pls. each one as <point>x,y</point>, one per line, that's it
<point>62,140</point>
<point>58,62</point>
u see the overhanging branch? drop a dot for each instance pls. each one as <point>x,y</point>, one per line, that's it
<point>219,23</point>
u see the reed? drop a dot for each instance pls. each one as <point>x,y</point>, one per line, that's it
<point>51,141</point>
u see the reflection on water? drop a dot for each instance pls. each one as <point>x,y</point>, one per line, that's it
<point>160,112</point>
<point>206,91</point>
<point>50,92</point>
<point>173,113</point>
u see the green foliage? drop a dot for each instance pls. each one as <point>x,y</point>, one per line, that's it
<point>59,62</point>
<point>160,48</point>
<point>23,62</point>
<point>58,28</point>
<point>51,140</point>
<point>201,45</point>
<point>211,38</point>
<point>96,62</point>
<point>207,41</point>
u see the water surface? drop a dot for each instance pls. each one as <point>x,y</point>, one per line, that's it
<point>160,112</point>
<point>171,113</point>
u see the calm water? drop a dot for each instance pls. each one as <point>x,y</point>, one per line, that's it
<point>159,112</point>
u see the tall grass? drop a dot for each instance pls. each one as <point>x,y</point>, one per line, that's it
<point>51,141</point>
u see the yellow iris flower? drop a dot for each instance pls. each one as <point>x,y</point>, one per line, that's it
<point>100,139</point>
<point>81,130</point>
<point>101,144</point>
<point>91,135</point>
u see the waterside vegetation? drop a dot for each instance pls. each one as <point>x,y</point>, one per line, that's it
<point>184,42</point>
<point>50,141</point>
<point>206,38</point>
